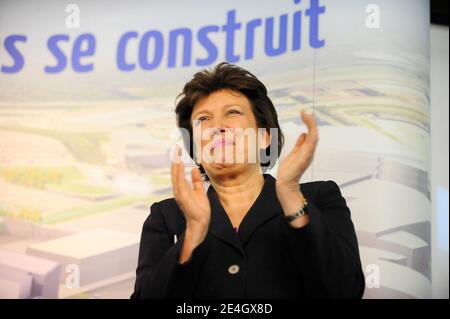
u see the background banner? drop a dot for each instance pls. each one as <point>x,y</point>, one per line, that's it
<point>87,96</point>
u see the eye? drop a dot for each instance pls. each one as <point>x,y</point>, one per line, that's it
<point>202,119</point>
<point>233,111</point>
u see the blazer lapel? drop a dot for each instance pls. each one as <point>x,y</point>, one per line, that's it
<point>263,209</point>
<point>220,225</point>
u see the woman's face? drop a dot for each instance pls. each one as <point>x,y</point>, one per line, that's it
<point>226,134</point>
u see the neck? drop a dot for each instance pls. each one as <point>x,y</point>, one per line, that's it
<point>241,188</point>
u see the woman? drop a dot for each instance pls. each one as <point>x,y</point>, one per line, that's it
<point>250,235</point>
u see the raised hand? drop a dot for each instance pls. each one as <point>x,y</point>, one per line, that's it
<point>293,166</point>
<point>193,202</point>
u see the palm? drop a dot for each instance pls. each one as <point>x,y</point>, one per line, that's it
<point>297,161</point>
<point>192,200</point>
<point>195,204</point>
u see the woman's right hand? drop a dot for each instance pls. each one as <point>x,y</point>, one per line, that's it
<point>193,202</point>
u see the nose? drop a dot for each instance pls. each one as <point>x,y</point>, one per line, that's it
<point>215,131</point>
<point>219,126</point>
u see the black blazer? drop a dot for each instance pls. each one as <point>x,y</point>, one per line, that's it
<point>267,258</point>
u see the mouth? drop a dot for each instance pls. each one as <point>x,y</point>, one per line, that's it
<point>220,143</point>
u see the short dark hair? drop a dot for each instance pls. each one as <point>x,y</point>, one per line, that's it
<point>234,78</point>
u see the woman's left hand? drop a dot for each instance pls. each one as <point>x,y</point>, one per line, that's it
<point>293,166</point>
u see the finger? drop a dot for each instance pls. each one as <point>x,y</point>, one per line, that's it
<point>177,154</point>
<point>178,179</point>
<point>310,122</point>
<point>181,179</point>
<point>196,179</point>
<point>173,170</point>
<point>301,139</point>
<point>174,167</point>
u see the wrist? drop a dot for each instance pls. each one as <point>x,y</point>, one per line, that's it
<point>294,210</point>
<point>197,226</point>
<point>195,233</point>
<point>300,222</point>
<point>292,200</point>
<point>193,237</point>
<point>290,197</point>
<point>287,186</point>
